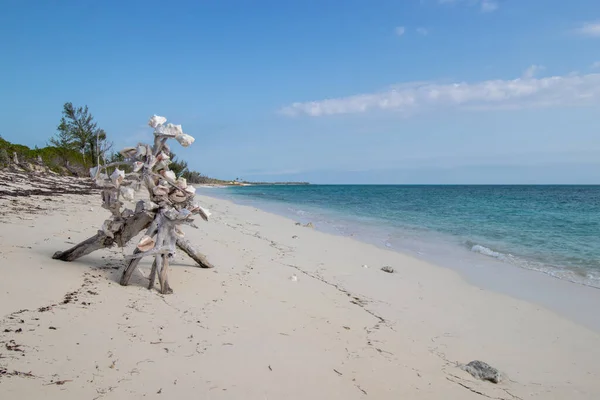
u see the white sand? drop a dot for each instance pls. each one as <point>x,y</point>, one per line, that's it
<point>245,330</point>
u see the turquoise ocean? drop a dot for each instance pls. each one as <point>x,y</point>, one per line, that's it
<point>551,229</point>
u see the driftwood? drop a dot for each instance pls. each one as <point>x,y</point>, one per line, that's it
<point>131,227</point>
<point>170,205</point>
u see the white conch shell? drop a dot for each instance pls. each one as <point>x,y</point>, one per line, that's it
<point>137,166</point>
<point>177,196</point>
<point>204,213</point>
<point>162,164</point>
<point>156,121</point>
<point>169,175</point>
<point>190,189</point>
<point>168,130</point>
<point>163,156</point>
<point>141,150</point>
<point>160,190</point>
<point>181,183</point>
<point>127,193</point>
<point>117,177</point>
<point>185,140</point>
<point>146,243</point>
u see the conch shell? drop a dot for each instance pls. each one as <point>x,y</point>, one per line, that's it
<point>204,213</point>
<point>141,150</point>
<point>184,139</point>
<point>146,243</point>
<point>160,190</point>
<point>127,193</point>
<point>137,166</point>
<point>117,177</point>
<point>178,196</point>
<point>181,183</point>
<point>155,121</point>
<point>190,189</point>
<point>169,175</point>
<point>162,156</point>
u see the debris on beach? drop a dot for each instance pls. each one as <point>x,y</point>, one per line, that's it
<point>294,278</point>
<point>308,225</point>
<point>480,370</point>
<point>388,269</point>
<point>365,266</point>
<point>171,205</point>
<point>58,383</point>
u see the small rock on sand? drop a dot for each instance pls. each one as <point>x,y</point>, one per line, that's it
<point>483,371</point>
<point>388,269</point>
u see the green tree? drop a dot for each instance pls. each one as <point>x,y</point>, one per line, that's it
<point>78,130</point>
<point>4,158</point>
<point>63,141</point>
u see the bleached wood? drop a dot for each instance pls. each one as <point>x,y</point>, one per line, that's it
<point>194,254</point>
<point>133,263</point>
<point>130,228</point>
<point>170,205</point>
<point>153,271</point>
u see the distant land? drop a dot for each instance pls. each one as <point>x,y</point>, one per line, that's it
<point>250,183</point>
<point>69,162</point>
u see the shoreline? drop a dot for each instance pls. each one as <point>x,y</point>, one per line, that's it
<point>247,329</point>
<point>574,300</point>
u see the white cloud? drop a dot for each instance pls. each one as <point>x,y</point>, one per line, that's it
<point>532,71</point>
<point>423,31</point>
<point>596,65</point>
<point>489,5</point>
<point>591,29</point>
<point>485,5</point>
<point>400,30</point>
<point>408,98</point>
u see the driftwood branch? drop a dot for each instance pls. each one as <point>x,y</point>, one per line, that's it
<point>130,228</point>
<point>194,254</point>
<point>171,205</point>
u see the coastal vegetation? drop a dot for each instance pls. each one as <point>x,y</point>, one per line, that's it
<point>79,144</point>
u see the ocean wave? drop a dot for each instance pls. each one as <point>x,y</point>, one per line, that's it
<point>488,252</point>
<point>299,212</point>
<point>571,274</point>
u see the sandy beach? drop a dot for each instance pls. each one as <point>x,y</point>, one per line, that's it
<point>288,313</point>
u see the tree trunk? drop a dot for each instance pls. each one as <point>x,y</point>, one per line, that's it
<point>133,263</point>
<point>153,273</point>
<point>130,228</point>
<point>194,254</point>
<point>162,277</point>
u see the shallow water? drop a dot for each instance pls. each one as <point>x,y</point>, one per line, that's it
<point>551,229</point>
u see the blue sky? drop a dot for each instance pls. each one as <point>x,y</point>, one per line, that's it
<point>355,91</point>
